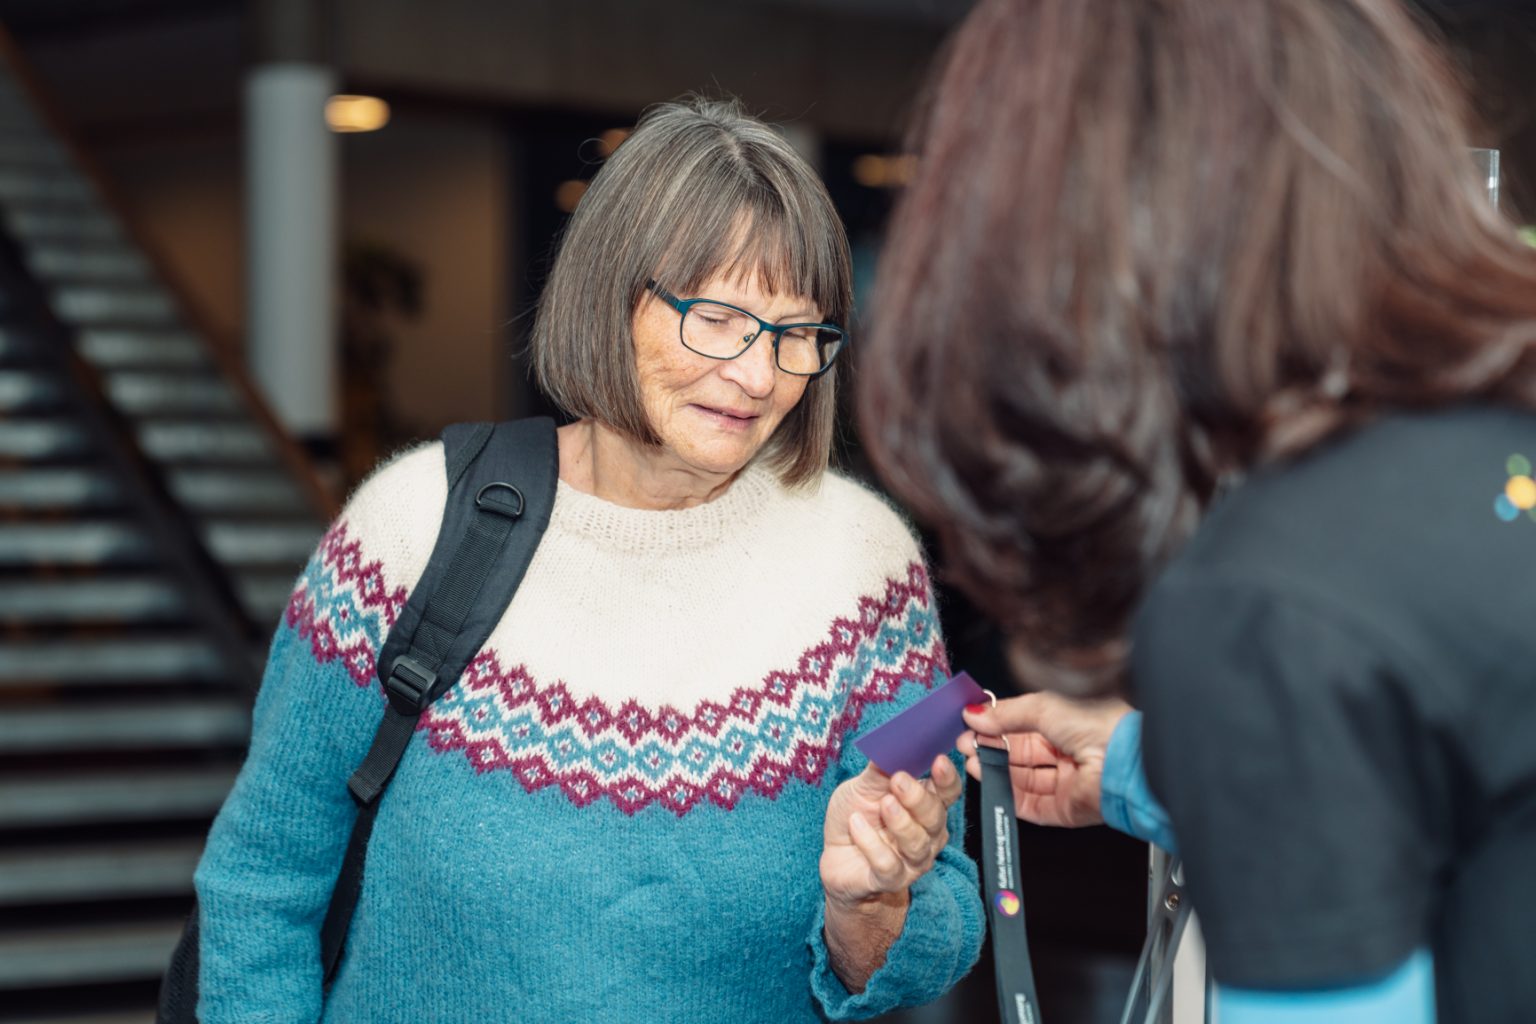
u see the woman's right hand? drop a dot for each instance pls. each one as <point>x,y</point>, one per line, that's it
<point>1056,752</point>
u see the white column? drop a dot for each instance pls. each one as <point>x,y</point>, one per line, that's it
<point>291,169</point>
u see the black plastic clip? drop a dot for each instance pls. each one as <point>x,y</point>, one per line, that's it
<point>409,686</point>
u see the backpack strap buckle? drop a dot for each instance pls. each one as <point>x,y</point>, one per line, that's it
<point>409,686</point>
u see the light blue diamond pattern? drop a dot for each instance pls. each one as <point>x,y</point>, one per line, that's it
<point>653,761</point>
<point>610,758</point>
<point>737,747</point>
<point>787,731</point>
<point>565,748</point>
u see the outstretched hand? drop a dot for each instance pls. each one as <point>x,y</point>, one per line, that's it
<point>1055,752</point>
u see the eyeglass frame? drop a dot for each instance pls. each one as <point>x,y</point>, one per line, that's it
<point>777,330</point>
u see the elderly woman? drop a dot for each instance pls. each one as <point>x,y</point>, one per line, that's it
<point>1206,351</point>
<point>642,803</point>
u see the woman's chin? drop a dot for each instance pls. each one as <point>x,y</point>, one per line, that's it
<point>718,459</point>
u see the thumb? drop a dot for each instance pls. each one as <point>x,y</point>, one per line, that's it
<point>872,782</point>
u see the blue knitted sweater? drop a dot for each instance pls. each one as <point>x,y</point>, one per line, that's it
<point>616,814</point>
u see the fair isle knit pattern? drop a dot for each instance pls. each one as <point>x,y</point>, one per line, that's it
<point>674,693</point>
<point>788,726</point>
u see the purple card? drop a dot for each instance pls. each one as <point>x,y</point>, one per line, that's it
<point>910,741</point>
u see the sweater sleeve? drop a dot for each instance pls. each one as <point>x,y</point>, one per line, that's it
<point>1125,797</point>
<point>941,938</point>
<point>275,848</point>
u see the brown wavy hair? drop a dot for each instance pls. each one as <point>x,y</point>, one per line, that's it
<point>1152,242</point>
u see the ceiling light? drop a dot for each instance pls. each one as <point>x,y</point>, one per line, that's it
<point>356,113</point>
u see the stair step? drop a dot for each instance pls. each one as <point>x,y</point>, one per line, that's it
<point>28,391</point>
<point>248,492</point>
<point>55,663</point>
<point>32,151</point>
<point>83,542</point>
<point>160,725</point>
<point>37,440</point>
<point>103,871</point>
<point>197,441</point>
<point>33,185</point>
<point>123,348</point>
<point>79,225</point>
<point>141,393</point>
<point>58,488</point>
<point>98,305</point>
<point>83,955</point>
<point>145,599</point>
<point>117,264</point>
<point>122,796</point>
<point>263,543</point>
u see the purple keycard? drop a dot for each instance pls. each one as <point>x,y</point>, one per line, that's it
<point>910,741</point>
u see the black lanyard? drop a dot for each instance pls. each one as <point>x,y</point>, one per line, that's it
<point>1017,1002</point>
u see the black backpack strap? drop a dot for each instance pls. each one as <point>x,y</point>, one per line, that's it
<point>501,491</point>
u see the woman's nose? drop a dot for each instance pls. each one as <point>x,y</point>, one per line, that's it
<point>754,370</point>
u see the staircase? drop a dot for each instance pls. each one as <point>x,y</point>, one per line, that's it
<point>152,521</point>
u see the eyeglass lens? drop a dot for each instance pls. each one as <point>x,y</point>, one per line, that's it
<point>722,333</point>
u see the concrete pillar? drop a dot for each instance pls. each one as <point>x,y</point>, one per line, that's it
<point>291,175</point>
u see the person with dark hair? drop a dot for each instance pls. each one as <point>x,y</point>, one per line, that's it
<point>1216,374</point>
<point>642,800</point>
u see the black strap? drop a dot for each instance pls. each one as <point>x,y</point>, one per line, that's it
<point>501,490</point>
<point>1017,1002</point>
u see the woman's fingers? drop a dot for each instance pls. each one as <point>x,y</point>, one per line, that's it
<point>1024,749</point>
<point>973,767</point>
<point>1016,714</point>
<point>913,841</point>
<point>947,782</point>
<point>1037,781</point>
<point>922,800</point>
<point>885,865</point>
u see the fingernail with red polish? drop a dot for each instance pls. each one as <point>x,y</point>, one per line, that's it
<point>976,709</point>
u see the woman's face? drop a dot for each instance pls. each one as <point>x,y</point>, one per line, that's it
<point>714,415</point>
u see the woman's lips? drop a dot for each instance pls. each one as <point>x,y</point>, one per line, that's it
<point>729,420</point>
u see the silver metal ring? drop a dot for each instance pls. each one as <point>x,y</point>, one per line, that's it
<point>993,698</point>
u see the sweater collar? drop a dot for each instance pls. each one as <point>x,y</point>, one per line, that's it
<point>748,498</point>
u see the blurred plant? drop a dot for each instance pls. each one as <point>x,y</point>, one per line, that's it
<point>381,289</point>
<point>1528,233</point>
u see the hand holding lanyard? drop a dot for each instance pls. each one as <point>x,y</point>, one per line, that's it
<point>1018,1002</point>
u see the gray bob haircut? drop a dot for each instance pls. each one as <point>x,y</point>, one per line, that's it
<point>699,188</point>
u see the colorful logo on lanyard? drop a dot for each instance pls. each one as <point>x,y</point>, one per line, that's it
<point>1519,493</point>
<point>1008,903</point>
